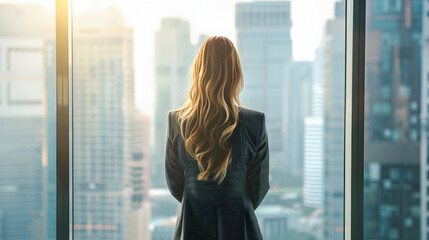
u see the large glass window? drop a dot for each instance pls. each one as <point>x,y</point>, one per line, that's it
<point>395,176</point>
<point>131,65</point>
<point>27,120</point>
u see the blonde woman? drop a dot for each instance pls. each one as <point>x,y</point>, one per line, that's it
<point>217,159</point>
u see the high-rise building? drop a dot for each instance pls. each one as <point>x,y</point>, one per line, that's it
<point>314,165</point>
<point>298,87</point>
<point>140,178</point>
<point>392,191</point>
<point>22,130</point>
<point>140,161</point>
<point>265,48</point>
<point>424,145</point>
<point>173,57</point>
<point>313,152</point>
<point>276,221</point>
<point>393,71</point>
<point>107,196</point>
<point>163,229</point>
<point>392,100</point>
<point>334,82</point>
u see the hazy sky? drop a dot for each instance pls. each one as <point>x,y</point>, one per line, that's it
<point>212,17</point>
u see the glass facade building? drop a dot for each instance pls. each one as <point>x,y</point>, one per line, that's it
<point>334,84</point>
<point>392,120</point>
<point>26,180</point>
<point>108,160</point>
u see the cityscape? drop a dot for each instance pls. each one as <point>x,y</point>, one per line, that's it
<point>119,187</point>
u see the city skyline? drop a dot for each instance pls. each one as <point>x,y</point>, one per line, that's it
<point>206,22</point>
<point>109,184</point>
<point>145,26</point>
<point>111,140</point>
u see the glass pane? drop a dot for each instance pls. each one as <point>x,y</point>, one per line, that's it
<point>395,117</point>
<point>27,120</point>
<point>131,66</point>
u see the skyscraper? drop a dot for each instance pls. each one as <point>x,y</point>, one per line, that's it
<point>393,71</point>
<point>392,101</point>
<point>173,56</point>
<point>277,221</point>
<point>298,95</point>
<point>314,165</point>
<point>140,164</point>
<point>424,146</point>
<point>392,191</point>
<point>313,152</point>
<point>22,130</point>
<point>265,48</point>
<point>105,156</point>
<point>140,179</point>
<point>334,82</point>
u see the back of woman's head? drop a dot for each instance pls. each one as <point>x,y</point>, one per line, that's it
<point>210,114</point>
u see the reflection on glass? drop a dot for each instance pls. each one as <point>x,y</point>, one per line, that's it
<point>27,121</point>
<point>395,136</point>
<point>119,120</point>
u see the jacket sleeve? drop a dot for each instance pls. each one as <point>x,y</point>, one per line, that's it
<point>174,172</point>
<point>258,172</point>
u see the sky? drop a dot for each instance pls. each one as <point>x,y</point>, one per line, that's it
<point>211,17</point>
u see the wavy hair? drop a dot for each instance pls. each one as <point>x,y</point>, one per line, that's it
<point>210,114</point>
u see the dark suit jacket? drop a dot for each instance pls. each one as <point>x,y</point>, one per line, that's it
<point>225,211</point>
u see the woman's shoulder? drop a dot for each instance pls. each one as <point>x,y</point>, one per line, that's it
<point>252,120</point>
<point>172,111</point>
<point>250,114</point>
<point>173,114</point>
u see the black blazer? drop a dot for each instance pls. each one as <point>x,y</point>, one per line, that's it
<point>225,211</point>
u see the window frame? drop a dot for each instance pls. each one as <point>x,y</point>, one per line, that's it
<point>63,83</point>
<point>354,119</point>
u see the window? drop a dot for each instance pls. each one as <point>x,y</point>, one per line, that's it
<point>27,121</point>
<point>131,65</point>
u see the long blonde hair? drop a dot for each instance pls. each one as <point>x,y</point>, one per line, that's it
<point>210,113</point>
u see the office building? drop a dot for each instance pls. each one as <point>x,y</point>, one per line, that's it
<point>313,162</point>
<point>392,191</point>
<point>334,84</point>
<point>424,154</point>
<point>163,229</point>
<point>265,48</point>
<point>22,130</point>
<point>393,71</point>
<point>299,107</point>
<point>140,178</point>
<point>392,100</point>
<point>276,221</point>
<point>314,165</point>
<point>173,58</point>
<point>108,164</point>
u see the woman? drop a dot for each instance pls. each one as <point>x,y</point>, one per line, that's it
<point>216,160</point>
